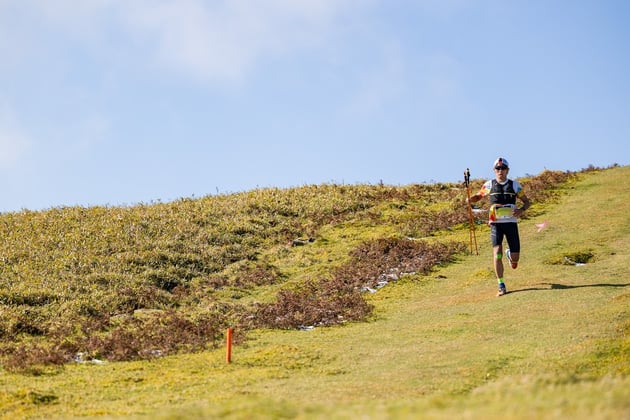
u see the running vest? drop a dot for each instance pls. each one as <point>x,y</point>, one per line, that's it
<point>502,194</point>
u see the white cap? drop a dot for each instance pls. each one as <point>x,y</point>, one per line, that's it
<point>501,162</point>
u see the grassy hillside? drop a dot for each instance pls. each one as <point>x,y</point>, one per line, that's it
<point>147,281</point>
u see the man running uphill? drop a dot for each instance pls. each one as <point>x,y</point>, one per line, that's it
<point>503,193</point>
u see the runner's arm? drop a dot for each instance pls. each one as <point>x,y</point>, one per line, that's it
<point>526,204</point>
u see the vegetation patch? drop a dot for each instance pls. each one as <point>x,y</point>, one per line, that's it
<point>125,283</point>
<point>572,258</point>
<point>338,299</point>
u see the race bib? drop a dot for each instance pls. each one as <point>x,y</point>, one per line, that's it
<point>506,212</point>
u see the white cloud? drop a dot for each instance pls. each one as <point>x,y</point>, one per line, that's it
<point>211,41</point>
<point>223,40</point>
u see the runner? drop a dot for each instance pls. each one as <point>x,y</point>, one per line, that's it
<point>503,215</point>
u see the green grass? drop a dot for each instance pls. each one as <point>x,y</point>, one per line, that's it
<point>435,346</point>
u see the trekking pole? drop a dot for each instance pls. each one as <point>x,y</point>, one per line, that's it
<point>471,218</point>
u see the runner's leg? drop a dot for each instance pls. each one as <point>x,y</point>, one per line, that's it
<point>514,242</point>
<point>496,237</point>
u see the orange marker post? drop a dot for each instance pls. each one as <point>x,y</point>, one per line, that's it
<point>228,344</point>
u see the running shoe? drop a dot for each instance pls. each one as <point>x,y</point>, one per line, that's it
<point>509,257</point>
<point>502,290</point>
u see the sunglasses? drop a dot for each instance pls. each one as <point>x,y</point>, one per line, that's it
<point>501,168</point>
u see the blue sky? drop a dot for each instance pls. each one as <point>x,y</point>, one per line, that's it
<point>117,102</point>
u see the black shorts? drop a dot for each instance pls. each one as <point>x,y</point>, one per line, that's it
<point>507,230</point>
